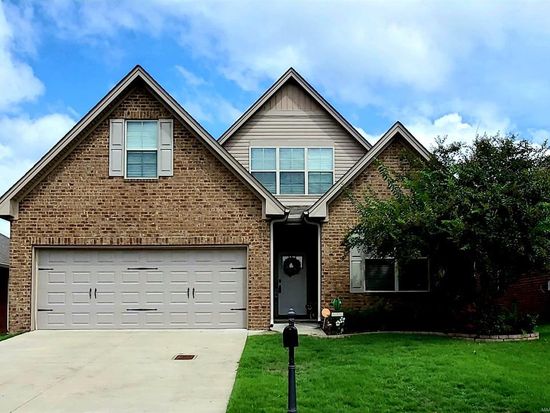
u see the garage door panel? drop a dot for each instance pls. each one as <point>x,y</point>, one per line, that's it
<point>122,281</point>
<point>178,277</point>
<point>130,277</point>
<point>105,298</point>
<point>228,297</point>
<point>130,319</point>
<point>81,277</point>
<point>154,319</point>
<point>55,319</point>
<point>104,277</point>
<point>177,297</point>
<point>154,277</point>
<point>130,297</point>
<point>105,318</point>
<point>80,297</point>
<point>154,297</point>
<point>55,298</point>
<point>57,277</point>
<point>80,319</point>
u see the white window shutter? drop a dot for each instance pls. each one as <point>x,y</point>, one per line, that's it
<point>116,147</point>
<point>166,147</point>
<point>356,271</point>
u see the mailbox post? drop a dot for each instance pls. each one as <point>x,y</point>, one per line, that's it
<point>290,341</point>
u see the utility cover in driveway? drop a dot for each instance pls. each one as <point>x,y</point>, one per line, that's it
<point>145,288</point>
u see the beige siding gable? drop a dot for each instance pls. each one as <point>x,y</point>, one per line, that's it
<point>291,98</point>
<point>292,118</point>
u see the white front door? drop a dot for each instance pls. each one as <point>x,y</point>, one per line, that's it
<point>141,288</point>
<point>292,287</point>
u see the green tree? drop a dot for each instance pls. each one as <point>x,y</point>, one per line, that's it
<point>480,212</point>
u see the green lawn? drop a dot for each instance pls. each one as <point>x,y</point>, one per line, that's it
<point>4,336</point>
<point>396,373</point>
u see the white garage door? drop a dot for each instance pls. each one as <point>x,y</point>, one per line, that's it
<point>118,289</point>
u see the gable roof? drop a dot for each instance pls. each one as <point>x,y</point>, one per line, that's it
<point>4,251</point>
<point>320,208</point>
<point>9,202</point>
<point>292,74</point>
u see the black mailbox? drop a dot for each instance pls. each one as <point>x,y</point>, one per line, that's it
<point>290,337</point>
<point>290,333</point>
<point>290,340</point>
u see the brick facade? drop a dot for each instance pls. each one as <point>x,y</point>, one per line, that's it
<point>530,294</point>
<point>78,204</point>
<point>343,217</point>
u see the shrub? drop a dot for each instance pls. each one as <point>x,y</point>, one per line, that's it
<point>500,320</point>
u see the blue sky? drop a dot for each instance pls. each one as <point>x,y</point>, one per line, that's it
<point>442,68</point>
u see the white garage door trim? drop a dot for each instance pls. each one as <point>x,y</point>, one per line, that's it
<point>137,288</point>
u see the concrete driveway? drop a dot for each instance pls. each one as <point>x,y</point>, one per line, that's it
<point>119,371</point>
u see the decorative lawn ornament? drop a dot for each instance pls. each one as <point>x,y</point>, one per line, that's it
<point>325,313</point>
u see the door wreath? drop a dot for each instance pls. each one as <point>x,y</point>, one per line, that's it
<point>291,266</point>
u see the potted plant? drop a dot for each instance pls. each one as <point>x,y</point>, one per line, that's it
<point>335,321</point>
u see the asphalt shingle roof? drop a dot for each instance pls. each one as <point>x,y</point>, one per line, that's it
<point>4,250</point>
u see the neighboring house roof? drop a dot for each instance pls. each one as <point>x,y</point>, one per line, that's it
<point>4,251</point>
<point>10,200</point>
<point>320,208</point>
<point>292,74</point>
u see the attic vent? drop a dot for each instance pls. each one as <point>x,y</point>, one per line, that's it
<point>185,357</point>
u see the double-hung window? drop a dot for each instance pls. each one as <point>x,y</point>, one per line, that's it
<point>141,149</point>
<point>263,165</point>
<point>293,171</point>
<point>320,166</point>
<point>387,274</point>
<point>292,167</point>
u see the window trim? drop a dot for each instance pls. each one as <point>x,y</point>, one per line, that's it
<point>126,150</point>
<point>278,170</point>
<point>365,257</point>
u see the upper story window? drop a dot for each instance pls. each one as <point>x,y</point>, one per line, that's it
<point>293,171</point>
<point>141,149</point>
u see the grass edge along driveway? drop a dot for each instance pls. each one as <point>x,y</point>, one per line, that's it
<point>395,373</point>
<point>5,336</point>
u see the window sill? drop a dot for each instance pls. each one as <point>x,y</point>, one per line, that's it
<point>390,292</point>
<point>141,179</point>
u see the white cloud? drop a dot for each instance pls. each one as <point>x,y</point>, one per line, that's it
<point>203,102</point>
<point>451,126</point>
<point>539,135</point>
<point>370,138</point>
<point>189,77</point>
<point>23,140</point>
<point>455,128</point>
<point>33,136</point>
<point>18,81</point>
<point>381,55</point>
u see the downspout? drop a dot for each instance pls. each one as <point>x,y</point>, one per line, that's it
<point>272,265</point>
<point>319,272</point>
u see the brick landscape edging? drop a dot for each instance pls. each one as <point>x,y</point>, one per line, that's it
<point>497,337</point>
<point>461,336</point>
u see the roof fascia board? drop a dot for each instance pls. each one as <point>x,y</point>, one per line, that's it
<point>320,208</point>
<point>292,74</point>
